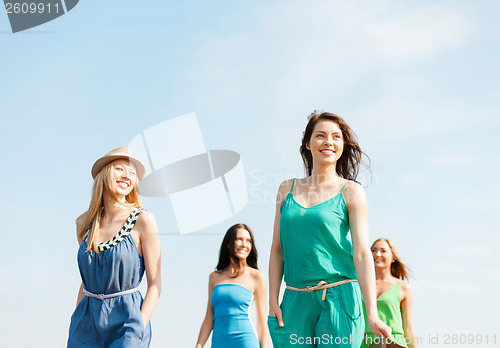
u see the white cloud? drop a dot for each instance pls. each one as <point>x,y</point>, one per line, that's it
<point>452,268</point>
<point>405,118</point>
<point>418,34</point>
<point>483,202</point>
<point>350,31</point>
<point>446,287</point>
<point>306,52</point>
<point>453,160</point>
<point>493,273</point>
<point>472,250</point>
<point>412,179</point>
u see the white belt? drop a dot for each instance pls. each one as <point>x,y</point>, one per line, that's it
<point>103,296</point>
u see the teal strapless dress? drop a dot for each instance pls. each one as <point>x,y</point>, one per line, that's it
<point>232,325</point>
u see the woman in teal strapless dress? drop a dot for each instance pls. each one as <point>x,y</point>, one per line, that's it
<point>231,290</point>
<point>394,297</point>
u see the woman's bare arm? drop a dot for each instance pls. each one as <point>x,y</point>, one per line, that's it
<point>208,322</point>
<point>276,257</point>
<point>150,245</point>
<point>355,198</point>
<point>407,314</point>
<point>260,304</point>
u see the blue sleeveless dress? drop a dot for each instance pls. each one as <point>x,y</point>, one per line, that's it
<point>232,325</point>
<point>113,322</point>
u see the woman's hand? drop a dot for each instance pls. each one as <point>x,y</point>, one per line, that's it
<point>275,311</point>
<point>379,328</point>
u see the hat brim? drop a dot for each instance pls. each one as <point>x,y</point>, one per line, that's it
<point>103,161</point>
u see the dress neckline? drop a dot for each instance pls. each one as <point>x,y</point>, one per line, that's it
<point>393,285</point>
<point>314,206</point>
<point>290,193</point>
<point>244,287</point>
<point>123,228</point>
<point>127,227</point>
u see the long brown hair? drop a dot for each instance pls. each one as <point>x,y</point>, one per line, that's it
<point>352,157</point>
<point>226,253</point>
<point>92,220</point>
<point>398,268</point>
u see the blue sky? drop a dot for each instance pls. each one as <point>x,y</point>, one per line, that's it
<point>417,81</point>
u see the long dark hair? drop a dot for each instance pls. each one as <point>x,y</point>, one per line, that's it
<point>226,253</point>
<point>352,157</point>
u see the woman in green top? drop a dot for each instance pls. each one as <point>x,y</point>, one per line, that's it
<point>394,296</point>
<point>320,246</point>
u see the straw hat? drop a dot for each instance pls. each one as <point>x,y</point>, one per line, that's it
<point>118,153</point>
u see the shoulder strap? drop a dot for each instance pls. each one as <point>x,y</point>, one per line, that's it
<point>129,224</point>
<point>344,186</point>
<point>293,183</point>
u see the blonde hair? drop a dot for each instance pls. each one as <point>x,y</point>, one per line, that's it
<point>92,220</point>
<point>398,268</point>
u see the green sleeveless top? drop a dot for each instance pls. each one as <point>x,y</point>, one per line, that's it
<point>389,312</point>
<point>315,241</point>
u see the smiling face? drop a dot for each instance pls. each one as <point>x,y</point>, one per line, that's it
<point>124,177</point>
<point>242,244</point>
<point>326,143</point>
<point>382,254</point>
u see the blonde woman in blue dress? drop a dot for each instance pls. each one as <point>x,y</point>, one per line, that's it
<point>118,243</point>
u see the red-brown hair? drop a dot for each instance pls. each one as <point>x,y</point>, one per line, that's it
<point>398,268</point>
<point>352,157</point>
